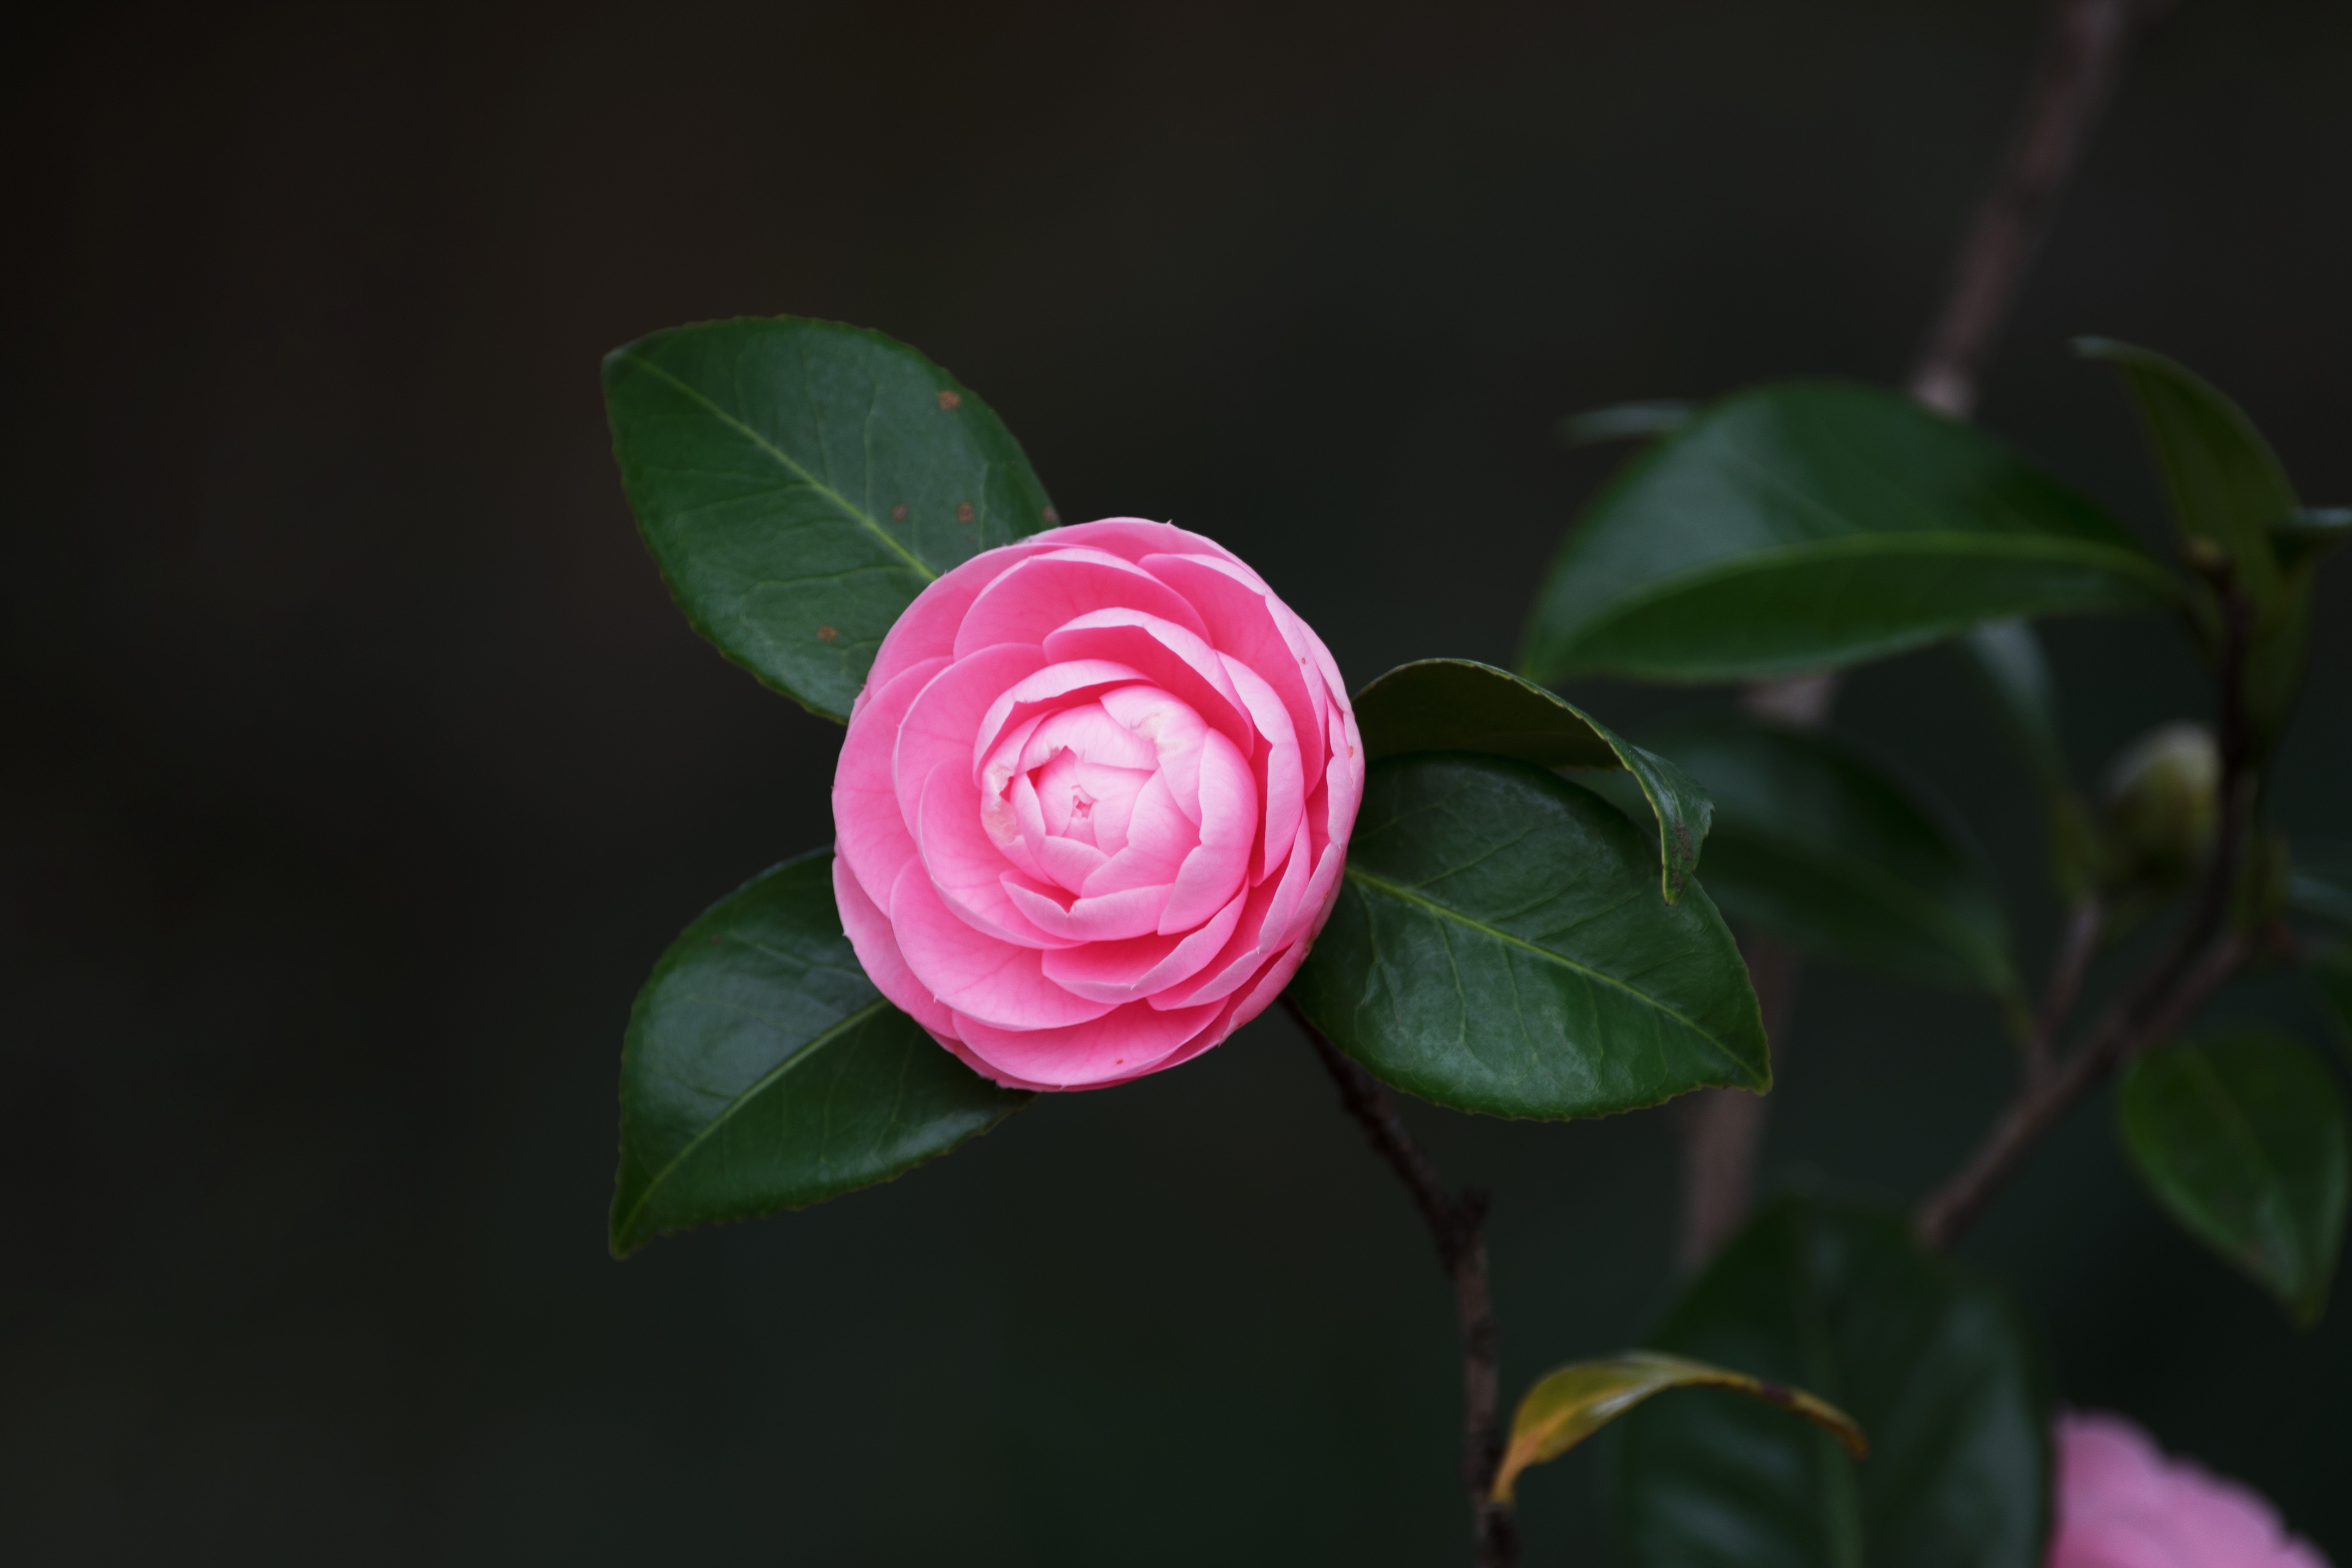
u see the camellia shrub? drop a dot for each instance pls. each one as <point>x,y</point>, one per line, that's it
<point>1103,798</point>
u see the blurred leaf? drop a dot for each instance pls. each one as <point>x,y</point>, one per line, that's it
<point>2241,1138</point>
<point>1806,525</point>
<point>762,1070</point>
<point>2006,658</point>
<point>2229,492</point>
<point>1815,845</point>
<point>2310,531</point>
<point>1499,944</point>
<point>2224,482</point>
<point>2320,882</point>
<point>1626,422</point>
<point>1460,705</point>
<point>1567,1405</point>
<point>1932,1362</point>
<point>2331,976</point>
<point>799,482</point>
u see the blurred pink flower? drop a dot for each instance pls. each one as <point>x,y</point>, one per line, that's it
<point>2122,1503</point>
<point>1094,803</point>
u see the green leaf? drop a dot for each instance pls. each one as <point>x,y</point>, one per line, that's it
<point>2007,660</point>
<point>1816,845</point>
<point>1934,1363</point>
<point>799,481</point>
<point>1460,705</point>
<point>1625,422</point>
<point>1570,1405</point>
<point>762,1070</point>
<point>1808,525</point>
<point>2320,881</point>
<point>2331,976</point>
<point>2309,533</point>
<point>1499,944</point>
<point>2241,1136</point>
<point>2230,494</point>
<point>2225,483</point>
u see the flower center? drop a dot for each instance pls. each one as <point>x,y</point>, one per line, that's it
<point>1092,796</point>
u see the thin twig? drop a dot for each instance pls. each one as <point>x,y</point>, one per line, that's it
<point>2163,997</point>
<point>2079,59</point>
<point>2025,1123</point>
<point>2077,946</point>
<point>1457,1226</point>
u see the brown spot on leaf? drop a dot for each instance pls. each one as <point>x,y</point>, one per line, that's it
<point>1050,515</point>
<point>826,633</point>
<point>949,400</point>
<point>898,513</point>
<point>1776,1393</point>
<point>963,511</point>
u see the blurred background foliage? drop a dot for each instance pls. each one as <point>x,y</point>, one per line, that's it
<point>357,767</point>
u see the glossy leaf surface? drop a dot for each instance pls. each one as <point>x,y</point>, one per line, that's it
<point>2241,1138</point>
<point>1460,705</point>
<point>1499,944</point>
<point>1809,525</point>
<point>1934,1363</point>
<point>762,1070</point>
<point>2230,493</point>
<point>1815,844</point>
<point>1570,1405</point>
<point>799,481</point>
<point>2224,482</point>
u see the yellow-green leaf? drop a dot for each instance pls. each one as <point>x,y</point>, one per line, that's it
<point>1569,1405</point>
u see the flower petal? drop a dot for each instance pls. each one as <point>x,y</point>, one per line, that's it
<point>1172,658</point>
<point>1056,687</point>
<point>1135,969</point>
<point>1248,624</point>
<point>926,628</point>
<point>969,872</point>
<point>1133,539</point>
<point>1118,1046</point>
<point>1050,590</point>
<point>1107,917</point>
<point>1281,781</point>
<point>1219,868</point>
<point>876,946</point>
<point>998,983</point>
<point>869,831</point>
<point>941,720</point>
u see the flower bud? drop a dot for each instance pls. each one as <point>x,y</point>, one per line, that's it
<point>2162,797</point>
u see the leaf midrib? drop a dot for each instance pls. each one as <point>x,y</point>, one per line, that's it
<point>2117,559</point>
<point>1406,895</point>
<point>2239,1129</point>
<point>785,458</point>
<point>759,1086</point>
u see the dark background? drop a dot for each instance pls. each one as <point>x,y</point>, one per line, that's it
<point>357,767</point>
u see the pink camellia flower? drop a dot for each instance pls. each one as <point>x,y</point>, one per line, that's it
<point>1093,803</point>
<point>2121,1503</point>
